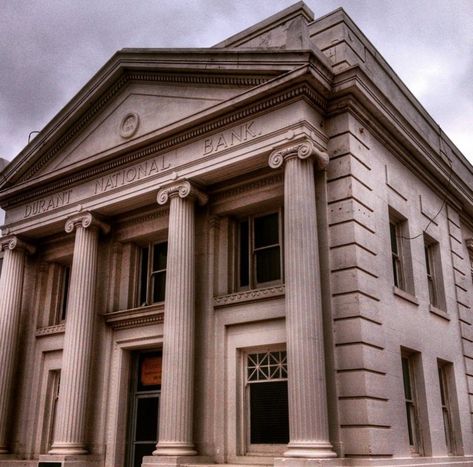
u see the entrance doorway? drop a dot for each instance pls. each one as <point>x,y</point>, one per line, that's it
<point>144,406</point>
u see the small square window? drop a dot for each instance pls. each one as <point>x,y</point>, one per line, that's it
<point>153,273</point>
<point>260,251</point>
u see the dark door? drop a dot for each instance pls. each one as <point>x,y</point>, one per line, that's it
<point>144,406</point>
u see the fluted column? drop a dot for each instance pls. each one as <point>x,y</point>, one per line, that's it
<point>71,417</point>
<point>308,420</point>
<point>176,403</point>
<point>11,289</point>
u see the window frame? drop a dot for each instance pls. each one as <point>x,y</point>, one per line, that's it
<point>252,250</point>
<point>250,448</point>
<point>414,431</point>
<point>150,273</point>
<point>433,269</point>
<point>401,259</point>
<point>446,404</point>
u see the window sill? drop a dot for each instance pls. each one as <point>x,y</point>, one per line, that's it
<point>249,296</point>
<point>134,317</point>
<point>405,295</point>
<point>438,312</point>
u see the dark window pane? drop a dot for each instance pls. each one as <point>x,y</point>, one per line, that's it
<point>144,276</point>
<point>266,230</point>
<point>1,263</point>
<point>65,292</point>
<point>268,265</point>
<point>160,253</point>
<point>393,229</point>
<point>407,379</point>
<point>159,286</point>
<point>142,450</point>
<point>269,413</point>
<point>147,419</point>
<point>244,255</point>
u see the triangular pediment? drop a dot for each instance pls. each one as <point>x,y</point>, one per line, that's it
<point>140,110</point>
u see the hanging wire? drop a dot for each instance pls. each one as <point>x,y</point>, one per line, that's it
<point>444,202</point>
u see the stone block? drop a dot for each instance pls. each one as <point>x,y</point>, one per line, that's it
<point>351,256</point>
<point>361,383</point>
<point>354,280</point>
<point>367,441</point>
<point>352,234</point>
<point>356,304</point>
<point>351,210</point>
<point>363,411</point>
<point>360,356</point>
<point>355,330</point>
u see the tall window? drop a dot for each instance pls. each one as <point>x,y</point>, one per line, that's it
<point>444,370</point>
<point>153,273</point>
<point>66,280</point>
<point>433,268</point>
<point>266,382</point>
<point>396,255</point>
<point>260,252</point>
<point>410,398</point>
<point>400,252</point>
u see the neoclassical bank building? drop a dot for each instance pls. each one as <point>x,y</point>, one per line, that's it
<point>257,253</point>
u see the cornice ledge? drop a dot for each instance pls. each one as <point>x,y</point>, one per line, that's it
<point>304,149</point>
<point>50,330</point>
<point>135,317</point>
<point>249,296</point>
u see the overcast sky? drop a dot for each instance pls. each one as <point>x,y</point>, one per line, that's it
<point>50,48</point>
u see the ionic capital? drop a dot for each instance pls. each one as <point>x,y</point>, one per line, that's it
<point>12,242</point>
<point>303,150</point>
<point>86,220</point>
<point>183,189</point>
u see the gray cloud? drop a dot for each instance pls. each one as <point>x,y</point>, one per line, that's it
<point>50,48</point>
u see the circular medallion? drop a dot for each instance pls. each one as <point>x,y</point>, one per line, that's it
<point>129,125</point>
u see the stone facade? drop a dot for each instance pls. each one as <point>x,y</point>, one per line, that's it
<point>257,253</point>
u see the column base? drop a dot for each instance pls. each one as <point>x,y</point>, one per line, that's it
<point>321,450</point>
<point>174,461</point>
<point>174,449</point>
<point>67,449</point>
<point>73,461</point>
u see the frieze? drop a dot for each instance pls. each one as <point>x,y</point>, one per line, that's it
<point>58,200</point>
<point>136,172</point>
<point>49,330</point>
<point>230,138</point>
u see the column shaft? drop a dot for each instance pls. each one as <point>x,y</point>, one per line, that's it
<point>11,288</point>
<point>71,430</point>
<point>176,405</point>
<point>308,419</point>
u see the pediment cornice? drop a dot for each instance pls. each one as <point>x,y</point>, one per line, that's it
<point>301,89</point>
<point>248,69</point>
